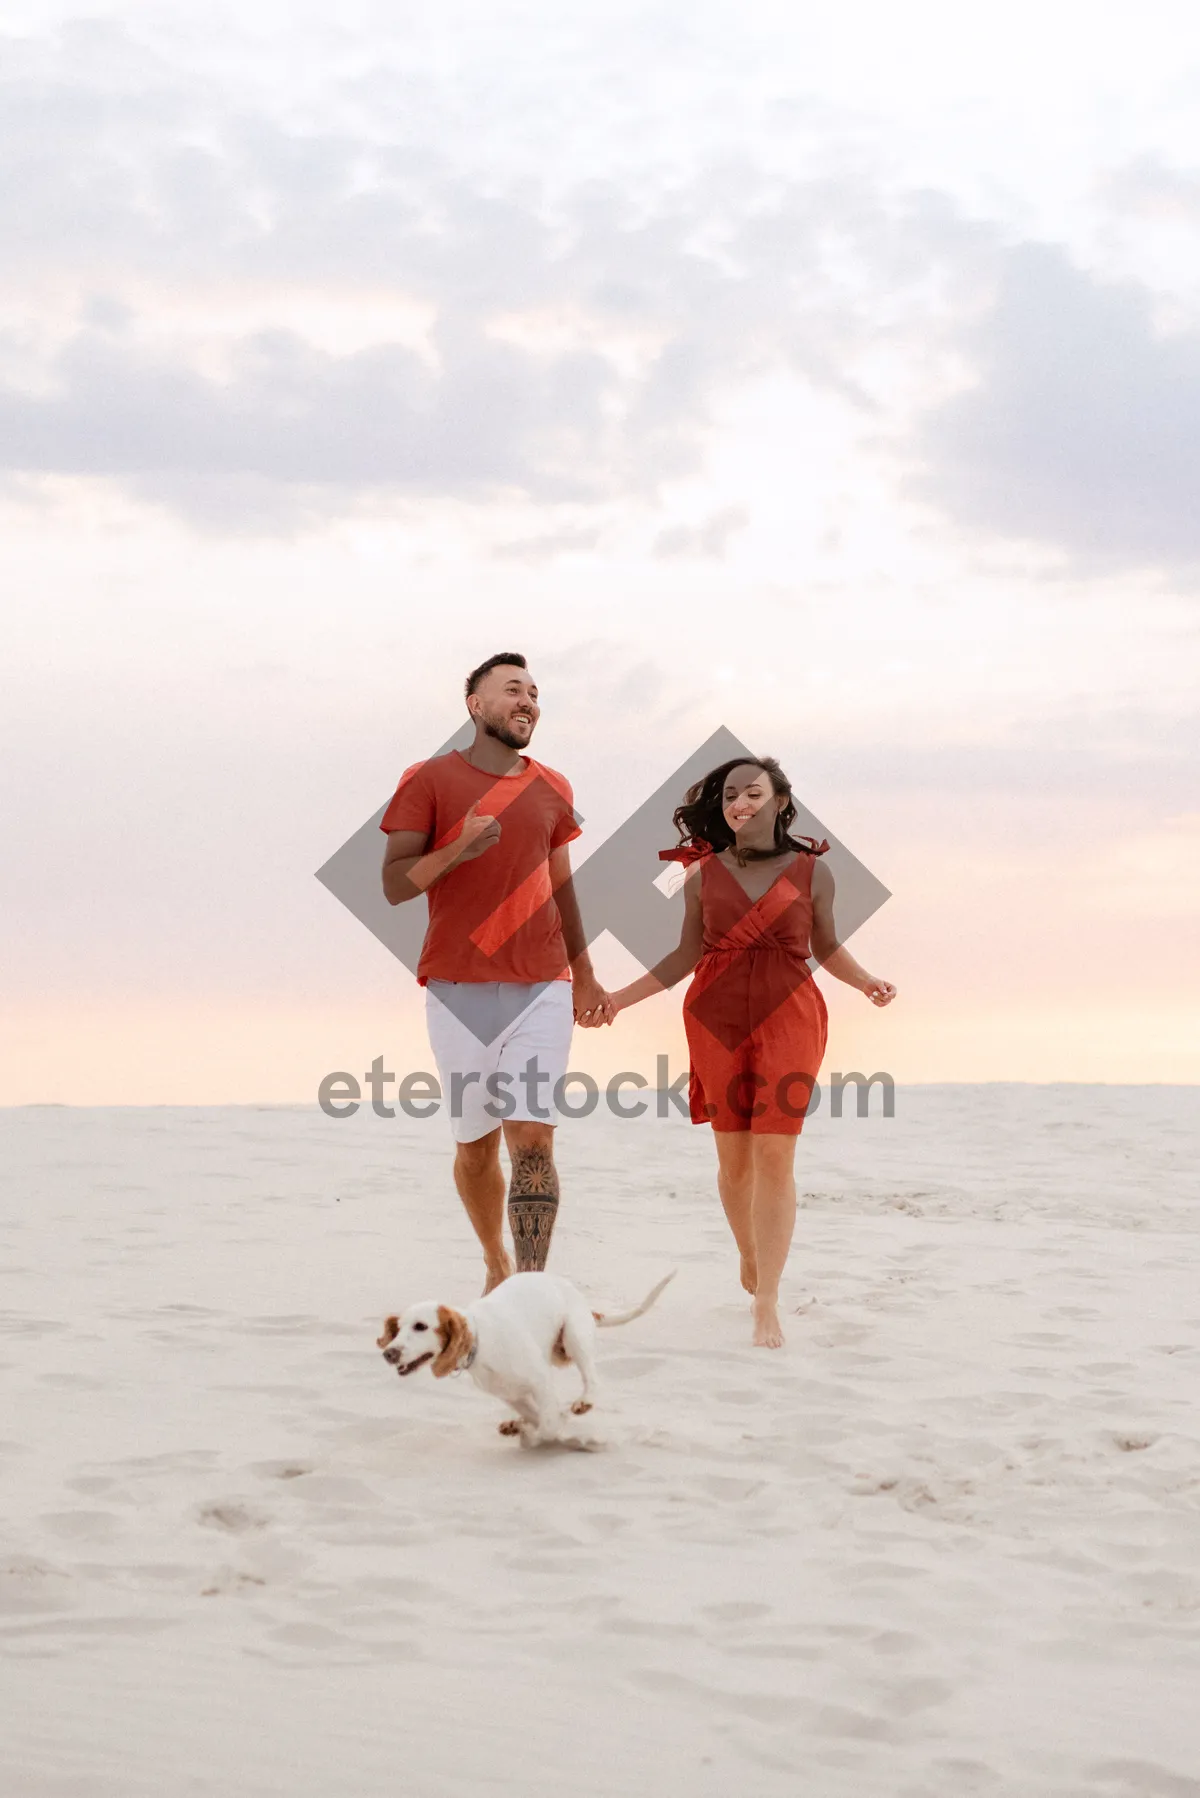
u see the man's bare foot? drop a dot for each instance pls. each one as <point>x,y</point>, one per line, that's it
<point>497,1272</point>
<point>767,1331</point>
<point>749,1275</point>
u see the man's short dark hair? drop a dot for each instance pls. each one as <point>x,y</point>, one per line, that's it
<point>509,659</point>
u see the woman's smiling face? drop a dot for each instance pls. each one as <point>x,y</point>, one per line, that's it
<point>751,805</point>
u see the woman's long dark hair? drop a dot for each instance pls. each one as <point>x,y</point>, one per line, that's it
<point>700,820</point>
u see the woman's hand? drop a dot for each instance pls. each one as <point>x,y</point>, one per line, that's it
<point>596,1015</point>
<point>879,992</point>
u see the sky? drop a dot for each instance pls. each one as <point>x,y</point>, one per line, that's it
<point>831,375</point>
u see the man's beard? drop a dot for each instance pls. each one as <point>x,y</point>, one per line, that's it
<point>503,735</point>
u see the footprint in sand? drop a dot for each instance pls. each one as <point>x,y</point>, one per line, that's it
<point>289,1324</point>
<point>969,1776</point>
<point>763,1707</point>
<point>81,1526</point>
<point>728,1490</point>
<point>309,1635</point>
<point>30,1584</point>
<point>231,1581</point>
<point>632,1367</point>
<point>1144,1778</point>
<point>607,1523</point>
<point>735,1610</point>
<point>641,1626</point>
<point>230,1515</point>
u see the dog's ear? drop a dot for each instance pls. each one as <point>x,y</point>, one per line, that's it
<point>453,1327</point>
<point>391,1329</point>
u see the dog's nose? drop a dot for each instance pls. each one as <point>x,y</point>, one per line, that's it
<point>392,1355</point>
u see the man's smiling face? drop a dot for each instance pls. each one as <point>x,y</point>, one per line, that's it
<point>505,703</point>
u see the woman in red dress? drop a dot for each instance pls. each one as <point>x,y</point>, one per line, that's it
<point>758,903</point>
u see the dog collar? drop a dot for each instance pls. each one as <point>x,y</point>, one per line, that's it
<point>468,1359</point>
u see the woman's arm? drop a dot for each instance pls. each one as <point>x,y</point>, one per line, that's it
<point>680,961</point>
<point>828,951</point>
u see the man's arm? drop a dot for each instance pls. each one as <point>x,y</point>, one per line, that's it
<point>408,871</point>
<point>586,992</point>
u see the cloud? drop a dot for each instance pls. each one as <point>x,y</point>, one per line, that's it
<point>1148,187</point>
<point>580,332</point>
<point>496,417</point>
<point>1133,760</point>
<point>578,361</point>
<point>1082,430</point>
<point>708,539</point>
<point>546,546</point>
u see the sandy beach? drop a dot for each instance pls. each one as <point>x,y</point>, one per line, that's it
<point>947,1542</point>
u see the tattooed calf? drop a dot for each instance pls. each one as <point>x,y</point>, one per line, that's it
<point>532,1206</point>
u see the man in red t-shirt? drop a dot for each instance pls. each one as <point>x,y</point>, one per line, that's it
<point>505,967</point>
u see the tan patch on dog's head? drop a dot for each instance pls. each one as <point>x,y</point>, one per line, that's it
<point>456,1340</point>
<point>391,1326</point>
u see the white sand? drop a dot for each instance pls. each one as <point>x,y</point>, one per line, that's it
<point>945,1543</point>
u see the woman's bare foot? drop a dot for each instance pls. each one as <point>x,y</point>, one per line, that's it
<point>749,1275</point>
<point>767,1330</point>
<point>497,1272</point>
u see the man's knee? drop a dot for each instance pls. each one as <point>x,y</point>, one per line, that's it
<point>522,1135</point>
<point>477,1157</point>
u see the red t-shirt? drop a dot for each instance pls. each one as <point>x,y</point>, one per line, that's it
<point>493,918</point>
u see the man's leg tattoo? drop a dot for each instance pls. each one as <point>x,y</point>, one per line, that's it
<point>532,1206</point>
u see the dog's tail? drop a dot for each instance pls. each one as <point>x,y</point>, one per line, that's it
<point>627,1317</point>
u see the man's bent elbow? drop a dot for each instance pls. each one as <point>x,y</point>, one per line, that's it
<point>397,889</point>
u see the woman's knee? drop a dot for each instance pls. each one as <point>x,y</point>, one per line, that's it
<point>781,1143</point>
<point>773,1155</point>
<point>734,1149</point>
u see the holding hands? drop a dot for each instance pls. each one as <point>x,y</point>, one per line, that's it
<point>593,1006</point>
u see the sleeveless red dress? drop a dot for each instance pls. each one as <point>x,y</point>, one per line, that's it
<point>755,1018</point>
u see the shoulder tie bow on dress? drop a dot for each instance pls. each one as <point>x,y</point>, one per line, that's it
<point>695,852</point>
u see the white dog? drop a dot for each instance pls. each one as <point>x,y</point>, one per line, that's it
<point>508,1342</point>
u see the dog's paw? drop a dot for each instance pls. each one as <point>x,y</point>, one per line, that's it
<point>510,1427</point>
<point>581,1407</point>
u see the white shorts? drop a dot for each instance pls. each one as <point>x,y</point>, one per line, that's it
<point>514,1074</point>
